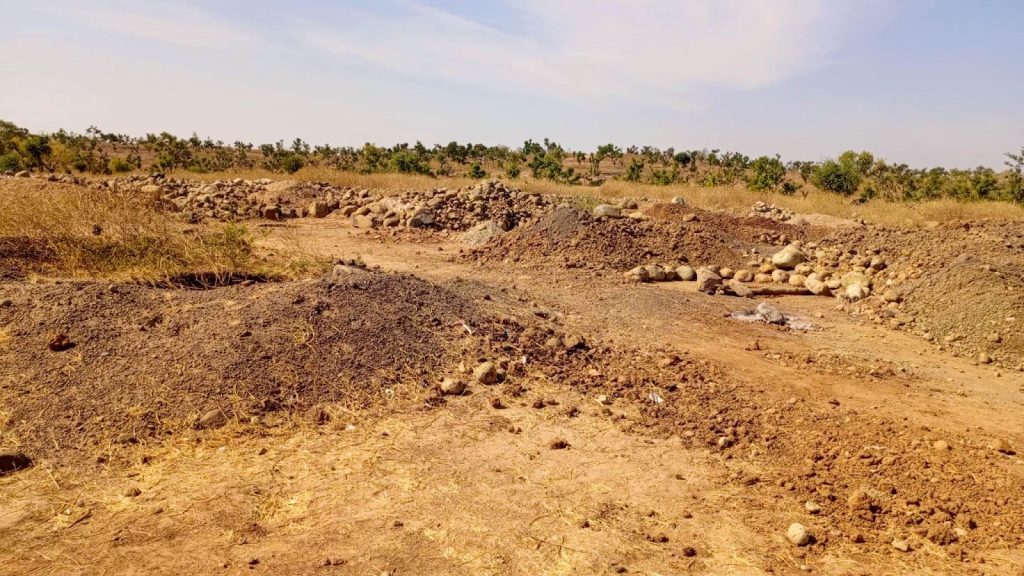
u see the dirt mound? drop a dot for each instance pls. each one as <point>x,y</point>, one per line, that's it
<point>960,285</point>
<point>674,235</point>
<point>573,239</point>
<point>143,362</point>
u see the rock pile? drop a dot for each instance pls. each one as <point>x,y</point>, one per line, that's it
<point>770,211</point>
<point>456,210</point>
<point>62,178</point>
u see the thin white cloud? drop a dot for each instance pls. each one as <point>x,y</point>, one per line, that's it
<point>656,51</point>
<point>178,23</point>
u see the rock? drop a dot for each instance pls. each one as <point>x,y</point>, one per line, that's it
<point>743,275</point>
<point>984,358</point>
<point>606,211</point>
<point>769,314</point>
<point>344,270</point>
<point>812,507</point>
<point>739,289</point>
<point>13,461</point>
<point>678,200</point>
<point>686,273</point>
<point>319,209</point>
<point>213,419</point>
<point>481,233</point>
<point>22,174</point>
<point>855,292</point>
<point>941,445</point>
<point>1002,446</point>
<point>423,219</point>
<point>363,221</point>
<point>574,342</point>
<point>815,286</point>
<point>60,342</point>
<point>639,273</point>
<point>780,276</point>
<point>391,221</point>
<point>901,545</point>
<point>486,373</point>
<point>655,273</point>
<point>272,213</point>
<point>797,280</point>
<point>6,302</point>
<point>726,272</point>
<point>628,204</point>
<point>789,257</point>
<point>762,278</point>
<point>724,442</point>
<point>798,534</point>
<point>453,387</point>
<point>891,295</point>
<point>707,281</point>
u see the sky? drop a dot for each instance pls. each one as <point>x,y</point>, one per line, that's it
<point>923,82</point>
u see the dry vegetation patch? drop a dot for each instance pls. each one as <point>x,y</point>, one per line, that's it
<point>61,230</point>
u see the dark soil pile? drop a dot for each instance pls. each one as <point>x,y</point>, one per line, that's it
<point>145,361</point>
<point>573,239</point>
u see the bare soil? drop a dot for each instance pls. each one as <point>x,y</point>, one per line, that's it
<point>637,429</point>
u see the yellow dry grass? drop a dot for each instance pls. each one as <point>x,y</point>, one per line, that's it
<point>734,198</point>
<point>83,232</point>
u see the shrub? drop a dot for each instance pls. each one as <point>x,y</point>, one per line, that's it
<point>841,178</point>
<point>120,165</point>
<point>477,171</point>
<point>766,173</point>
<point>291,163</point>
<point>635,171</point>
<point>512,170</point>
<point>10,162</point>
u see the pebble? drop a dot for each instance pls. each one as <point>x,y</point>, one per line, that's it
<point>812,507</point>
<point>486,373</point>
<point>798,534</point>
<point>452,387</point>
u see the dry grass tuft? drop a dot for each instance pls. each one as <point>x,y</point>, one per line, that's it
<point>83,232</point>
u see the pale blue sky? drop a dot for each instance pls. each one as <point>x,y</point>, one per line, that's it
<point>924,82</point>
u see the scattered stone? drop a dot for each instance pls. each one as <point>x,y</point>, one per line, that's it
<point>798,534</point>
<point>453,387</point>
<point>59,342</point>
<point>901,545</point>
<point>708,281</point>
<point>486,373</point>
<point>1002,446</point>
<point>941,445</point>
<point>211,420</point>
<point>686,273</point>
<point>606,211</point>
<point>812,507</point>
<point>789,257</point>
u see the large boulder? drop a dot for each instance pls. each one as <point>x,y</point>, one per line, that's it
<point>481,233</point>
<point>789,257</point>
<point>708,281</point>
<point>607,211</point>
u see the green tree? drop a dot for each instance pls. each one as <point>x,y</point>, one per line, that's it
<point>766,173</point>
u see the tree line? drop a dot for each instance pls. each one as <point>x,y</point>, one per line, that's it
<point>852,173</point>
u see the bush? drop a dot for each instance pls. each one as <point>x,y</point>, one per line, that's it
<point>10,162</point>
<point>766,173</point>
<point>477,171</point>
<point>291,163</point>
<point>406,162</point>
<point>635,171</point>
<point>841,178</point>
<point>119,165</point>
<point>512,170</point>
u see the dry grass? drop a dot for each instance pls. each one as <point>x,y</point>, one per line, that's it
<point>82,232</point>
<point>734,198</point>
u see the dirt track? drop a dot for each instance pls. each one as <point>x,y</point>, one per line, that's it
<point>467,488</point>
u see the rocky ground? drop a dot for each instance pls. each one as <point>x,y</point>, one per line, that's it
<point>506,383</point>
